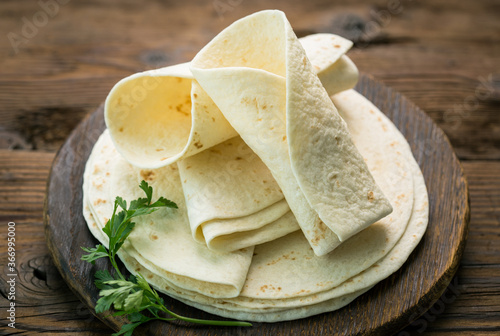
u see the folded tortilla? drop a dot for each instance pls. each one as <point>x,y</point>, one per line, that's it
<point>232,199</point>
<point>161,240</point>
<point>279,107</point>
<point>162,116</point>
<point>285,279</point>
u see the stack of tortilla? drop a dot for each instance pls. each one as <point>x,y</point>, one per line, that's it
<point>295,193</point>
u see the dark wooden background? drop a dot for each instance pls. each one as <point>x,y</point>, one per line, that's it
<point>59,59</point>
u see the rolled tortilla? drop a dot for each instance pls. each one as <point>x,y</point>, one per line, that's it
<point>162,116</point>
<point>281,110</point>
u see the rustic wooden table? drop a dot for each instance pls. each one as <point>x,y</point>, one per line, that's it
<point>60,58</point>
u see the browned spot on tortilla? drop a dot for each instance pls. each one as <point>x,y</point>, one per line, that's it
<point>188,167</point>
<point>284,137</point>
<point>97,185</point>
<point>195,95</point>
<point>337,139</point>
<point>107,174</point>
<point>150,276</point>
<point>263,288</point>
<point>148,175</point>
<point>336,46</point>
<point>138,269</point>
<point>198,144</point>
<point>159,149</point>
<point>164,158</point>
<point>154,237</point>
<point>238,158</point>
<point>273,262</point>
<point>179,109</point>
<point>213,119</point>
<point>371,198</point>
<point>304,61</point>
<point>319,233</point>
<point>99,201</point>
<point>96,169</point>
<point>121,129</point>
<point>302,291</point>
<point>94,224</point>
<point>322,226</point>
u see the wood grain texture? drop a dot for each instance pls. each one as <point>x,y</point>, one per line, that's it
<point>443,55</point>
<point>390,306</point>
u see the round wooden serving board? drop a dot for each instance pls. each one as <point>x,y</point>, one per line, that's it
<point>385,309</point>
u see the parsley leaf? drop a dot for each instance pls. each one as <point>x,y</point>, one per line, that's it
<point>134,296</point>
<point>94,253</point>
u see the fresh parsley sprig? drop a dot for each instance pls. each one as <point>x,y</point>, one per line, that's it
<point>133,297</point>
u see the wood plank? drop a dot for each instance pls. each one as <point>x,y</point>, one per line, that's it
<point>471,304</point>
<point>426,50</point>
<point>44,303</point>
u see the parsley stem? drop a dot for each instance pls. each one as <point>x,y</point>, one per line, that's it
<point>206,322</point>
<point>115,265</point>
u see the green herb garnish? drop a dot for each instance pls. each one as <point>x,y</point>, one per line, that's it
<point>133,297</point>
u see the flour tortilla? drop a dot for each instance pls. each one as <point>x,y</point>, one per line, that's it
<point>288,267</point>
<point>224,216</point>
<point>284,279</point>
<point>159,116</point>
<point>163,238</point>
<point>163,285</point>
<point>281,110</point>
<point>326,52</point>
<point>361,116</point>
<point>162,116</point>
